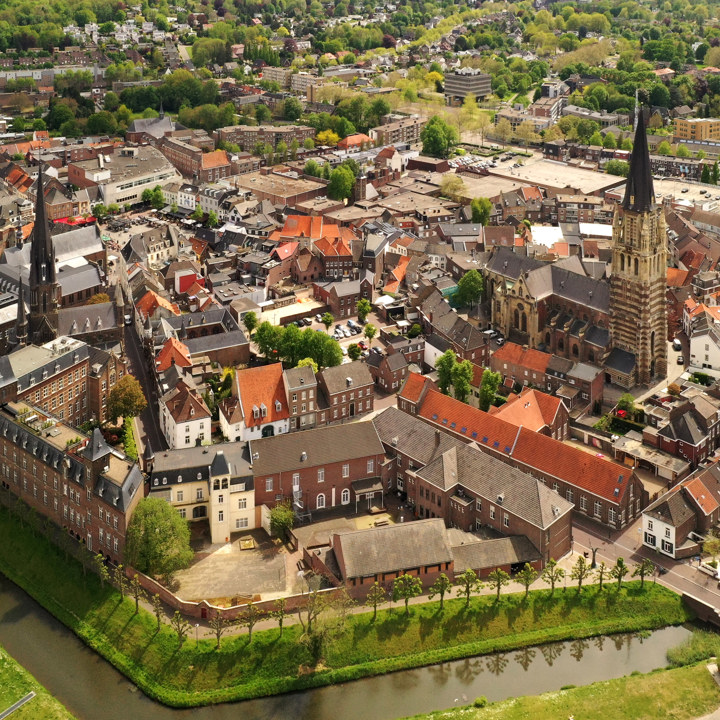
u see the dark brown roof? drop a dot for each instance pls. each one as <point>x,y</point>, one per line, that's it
<point>486,554</point>
<point>639,191</point>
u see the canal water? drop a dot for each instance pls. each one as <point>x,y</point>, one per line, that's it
<point>91,688</point>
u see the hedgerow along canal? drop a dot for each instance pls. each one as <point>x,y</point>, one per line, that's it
<point>91,688</point>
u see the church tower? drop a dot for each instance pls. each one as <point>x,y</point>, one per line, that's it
<point>638,315</point>
<point>45,293</point>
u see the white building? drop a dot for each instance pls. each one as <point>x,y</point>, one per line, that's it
<point>184,417</point>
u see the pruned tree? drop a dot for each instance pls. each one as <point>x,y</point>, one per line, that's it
<point>101,569</point>
<point>279,612</point>
<point>527,577</point>
<point>364,308</point>
<point>580,571</point>
<point>406,587</point>
<point>619,571</point>
<point>377,595</point>
<point>468,583</point>
<point>444,366</point>
<point>136,590</point>
<point>250,321</point>
<point>498,579</point>
<point>218,624</point>
<point>645,568</point>
<point>552,575</point>
<point>330,611</point>
<point>157,606</point>
<point>601,572</point>
<point>327,320</point>
<point>440,587</point>
<point>250,618</point>
<point>120,579</point>
<point>181,627</point>
<point>370,332</point>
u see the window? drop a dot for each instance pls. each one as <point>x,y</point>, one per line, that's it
<point>199,494</point>
<point>492,512</point>
<point>268,485</point>
<point>612,515</point>
<point>649,539</point>
<point>667,547</point>
<point>583,503</point>
<point>320,502</point>
<point>241,523</point>
<point>221,516</point>
<point>370,466</point>
<point>556,487</point>
<point>650,524</point>
<point>506,520</point>
<point>597,507</point>
<point>667,532</point>
<point>183,513</point>
<point>346,470</point>
<point>321,475</point>
<point>345,498</point>
<point>179,496</point>
<point>221,499</point>
<point>569,495</point>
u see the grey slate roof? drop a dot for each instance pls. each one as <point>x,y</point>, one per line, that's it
<point>620,360</point>
<point>671,508</point>
<point>321,446</point>
<point>511,265</point>
<point>78,279</point>
<point>494,553</point>
<point>336,377</point>
<point>396,547</point>
<point>192,464</point>
<point>87,319</point>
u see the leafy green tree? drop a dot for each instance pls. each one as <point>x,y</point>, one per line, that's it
<point>136,590</point>
<point>715,175</point>
<point>327,320</point>
<point>705,174</point>
<point>250,618</point>
<point>212,219</point>
<point>197,214</point>
<point>683,151</point>
<point>377,595</point>
<point>481,209</point>
<point>342,182</point>
<point>120,579</point>
<point>440,587</point>
<point>250,321</point>
<point>552,574</point>
<point>101,569</point>
<point>470,288</point>
<point>218,624</point>
<point>157,539</point>
<point>126,399</point>
<point>414,331</point>
<point>596,139</point>
<point>157,605</point>
<point>627,403</point>
<point>663,148</point>
<point>279,612</point>
<point>490,384</point>
<point>609,143</point>
<point>468,583</point>
<point>498,579</point>
<point>406,587</point>
<point>461,376</point>
<point>364,308</point>
<point>645,568</point>
<point>181,627</point>
<point>601,573</point>
<point>268,338</point>
<point>370,332</point>
<point>309,362</point>
<point>580,571</point>
<point>617,167</point>
<point>312,168</point>
<point>527,577</point>
<point>444,365</point>
<point>354,351</point>
<point>619,571</point>
<point>281,519</point>
<point>292,109</point>
<point>438,137</point>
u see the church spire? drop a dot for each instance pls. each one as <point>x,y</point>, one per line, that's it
<point>42,254</point>
<point>639,191</point>
<point>21,325</point>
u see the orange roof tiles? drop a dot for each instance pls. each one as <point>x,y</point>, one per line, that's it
<point>173,352</point>
<point>413,387</point>
<point>354,140</point>
<point>517,355</point>
<point>601,477</point>
<point>701,495</point>
<point>216,158</point>
<point>677,277</point>
<point>151,301</point>
<point>285,250</point>
<point>530,409</point>
<point>263,386</point>
<point>397,275</point>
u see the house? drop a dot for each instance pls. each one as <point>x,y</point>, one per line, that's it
<point>342,297</point>
<point>536,411</point>
<point>184,417</point>
<point>347,391</point>
<point>388,371</point>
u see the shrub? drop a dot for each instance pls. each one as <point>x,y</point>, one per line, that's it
<point>480,702</point>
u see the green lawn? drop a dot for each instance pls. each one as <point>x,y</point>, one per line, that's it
<point>681,694</point>
<point>271,664</point>
<point>15,683</point>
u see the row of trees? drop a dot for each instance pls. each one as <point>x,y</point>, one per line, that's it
<point>292,345</point>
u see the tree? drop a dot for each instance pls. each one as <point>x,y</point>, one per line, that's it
<point>279,612</point>
<point>527,577</point>
<point>663,148</point>
<point>481,209</point>
<point>377,595</point>
<point>601,573</point>
<point>370,332</point>
<point>620,168</point>
<point>414,331</point>
<point>136,590</point>
<point>453,187</point>
<point>715,174</point>
<point>610,142</point>
<point>157,609</point>
<point>327,137</point>
<point>250,322</point>
<point>438,137</point>
<point>498,579</point>
<point>157,539</point>
<point>98,298</point>
<point>711,546</point>
<point>212,219</point>
<point>444,365</point>
<point>627,403</point>
<point>126,399</point>
<point>470,288</point>
<point>101,569</point>
<point>218,624</point>
<point>580,571</point>
<point>250,618</point>
<point>181,627</point>
<point>468,583</point>
<point>705,174</point>
<point>405,587</point>
<point>683,151</point>
<point>503,130</point>
<point>197,214</point>
<point>281,519</point>
<point>488,389</point>
<point>262,114</point>
<point>526,132</point>
<point>619,571</point>
<point>596,139</point>
<point>461,376</point>
<point>354,351</point>
<point>552,574</point>
<point>309,362</point>
<point>292,109</point>
<point>327,320</point>
<point>645,568</point>
<point>342,182</point>
<point>441,586</point>
<point>268,339</point>
<point>364,308</point>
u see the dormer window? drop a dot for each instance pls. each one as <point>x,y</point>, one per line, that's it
<point>256,411</point>
<point>278,406</point>
<point>263,410</point>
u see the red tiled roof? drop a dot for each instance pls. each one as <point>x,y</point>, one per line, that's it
<point>285,250</point>
<point>216,158</point>
<point>517,355</point>
<point>353,140</point>
<point>677,277</point>
<point>263,386</point>
<point>151,301</point>
<point>530,409</point>
<point>701,495</point>
<point>173,352</point>
<point>551,457</point>
<point>413,387</point>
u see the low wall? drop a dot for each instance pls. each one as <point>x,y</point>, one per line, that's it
<point>705,612</point>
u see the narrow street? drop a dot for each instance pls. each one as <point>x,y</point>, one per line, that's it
<point>148,423</point>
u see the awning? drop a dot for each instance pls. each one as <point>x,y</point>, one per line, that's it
<point>368,486</point>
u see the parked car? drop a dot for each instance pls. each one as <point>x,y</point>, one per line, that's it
<point>680,360</point>
<point>318,317</point>
<point>377,351</point>
<point>677,345</point>
<point>347,332</point>
<point>362,345</point>
<point>500,341</point>
<point>307,322</point>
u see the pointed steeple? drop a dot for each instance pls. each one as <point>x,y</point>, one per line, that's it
<point>639,191</point>
<point>162,112</point>
<point>42,254</point>
<point>21,325</point>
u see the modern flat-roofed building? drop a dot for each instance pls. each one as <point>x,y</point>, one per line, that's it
<point>406,130</point>
<point>697,129</point>
<point>248,137</point>
<point>466,81</point>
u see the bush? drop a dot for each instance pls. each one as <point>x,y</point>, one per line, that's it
<point>480,702</point>
<point>129,439</point>
<point>699,646</point>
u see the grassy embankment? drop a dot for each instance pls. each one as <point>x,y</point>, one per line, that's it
<point>271,664</point>
<point>16,683</point>
<point>681,694</point>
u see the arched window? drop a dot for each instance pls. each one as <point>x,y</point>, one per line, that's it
<point>199,512</point>
<point>516,324</point>
<point>547,339</point>
<point>524,322</point>
<point>345,496</point>
<point>561,344</point>
<point>320,502</point>
<point>622,262</point>
<point>575,350</point>
<point>636,266</point>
